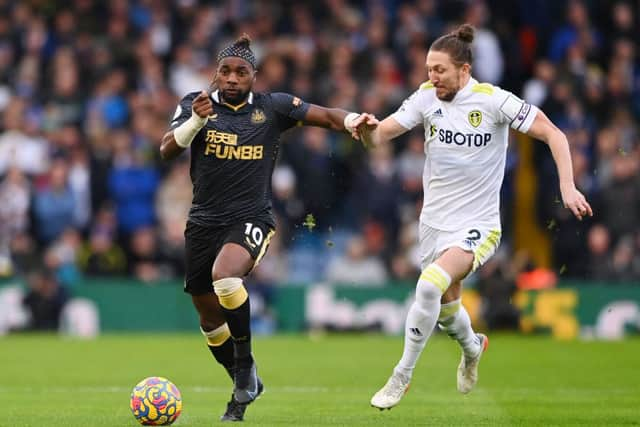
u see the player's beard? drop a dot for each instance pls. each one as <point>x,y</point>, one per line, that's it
<point>451,93</point>
<point>448,96</point>
<point>234,98</point>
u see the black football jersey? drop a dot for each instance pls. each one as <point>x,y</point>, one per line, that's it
<point>233,156</point>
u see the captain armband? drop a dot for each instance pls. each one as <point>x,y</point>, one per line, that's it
<point>519,113</point>
<point>185,133</point>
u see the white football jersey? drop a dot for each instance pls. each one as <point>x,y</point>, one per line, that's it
<point>466,144</point>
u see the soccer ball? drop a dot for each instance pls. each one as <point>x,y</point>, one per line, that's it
<point>156,401</point>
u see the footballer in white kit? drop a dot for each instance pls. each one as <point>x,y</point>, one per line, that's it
<point>466,127</point>
<point>465,145</point>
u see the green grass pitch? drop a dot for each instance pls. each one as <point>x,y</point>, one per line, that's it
<point>47,381</point>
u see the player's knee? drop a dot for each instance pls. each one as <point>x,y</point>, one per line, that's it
<point>209,323</point>
<point>426,293</point>
<point>433,282</point>
<point>222,273</point>
<point>231,292</point>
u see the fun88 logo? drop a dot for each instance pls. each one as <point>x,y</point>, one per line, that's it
<point>468,139</point>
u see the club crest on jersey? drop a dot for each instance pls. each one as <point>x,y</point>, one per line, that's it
<point>258,116</point>
<point>475,118</point>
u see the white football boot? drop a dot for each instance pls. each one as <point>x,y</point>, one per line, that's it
<point>468,368</point>
<point>389,395</point>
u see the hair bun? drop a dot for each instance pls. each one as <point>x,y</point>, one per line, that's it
<point>244,41</point>
<point>465,33</point>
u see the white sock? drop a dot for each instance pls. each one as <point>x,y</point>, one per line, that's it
<point>455,321</point>
<point>422,316</point>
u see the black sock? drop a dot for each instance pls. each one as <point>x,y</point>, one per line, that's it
<point>224,354</point>
<point>239,321</point>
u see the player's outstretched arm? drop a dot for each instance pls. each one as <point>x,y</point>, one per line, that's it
<point>543,129</point>
<point>177,140</point>
<point>374,133</point>
<point>336,119</point>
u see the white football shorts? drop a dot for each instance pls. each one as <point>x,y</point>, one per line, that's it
<point>482,241</point>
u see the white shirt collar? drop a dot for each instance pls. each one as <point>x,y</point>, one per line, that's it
<point>464,90</point>
<point>216,97</point>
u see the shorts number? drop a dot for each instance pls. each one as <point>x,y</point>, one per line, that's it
<point>254,232</point>
<point>473,234</point>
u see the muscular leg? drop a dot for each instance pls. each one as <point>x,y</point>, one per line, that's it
<point>215,329</point>
<point>232,263</point>
<point>453,317</point>
<point>434,281</point>
<point>455,321</point>
<point>453,293</point>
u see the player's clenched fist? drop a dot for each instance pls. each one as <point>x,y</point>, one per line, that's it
<point>202,105</point>
<point>201,109</point>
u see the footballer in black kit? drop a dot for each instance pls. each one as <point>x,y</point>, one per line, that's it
<point>233,135</point>
<point>232,159</point>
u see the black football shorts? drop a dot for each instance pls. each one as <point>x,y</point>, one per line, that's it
<point>202,245</point>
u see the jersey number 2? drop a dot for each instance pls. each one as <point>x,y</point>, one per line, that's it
<point>473,234</point>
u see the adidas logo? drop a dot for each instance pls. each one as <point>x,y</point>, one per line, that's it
<point>415,331</point>
<point>470,243</point>
<point>438,113</point>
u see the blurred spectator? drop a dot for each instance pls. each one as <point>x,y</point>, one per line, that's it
<point>24,253</point>
<point>61,258</point>
<point>577,31</point>
<point>53,203</point>
<point>488,62</point>
<point>357,266</point>
<point>620,198</point>
<point>185,72</point>
<point>20,144</point>
<point>173,198</point>
<point>405,263</point>
<point>132,185</point>
<point>101,255</point>
<point>65,102</point>
<point>44,300</point>
<point>496,285</point>
<point>319,171</point>
<point>378,191</point>
<point>536,89</point>
<point>173,202</point>
<point>403,269</point>
<point>146,262</point>
<point>287,205</point>
<point>15,200</point>
<point>622,261</point>
<point>599,263</point>
<point>410,166</point>
<point>80,186</point>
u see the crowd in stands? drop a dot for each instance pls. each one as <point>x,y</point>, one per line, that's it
<point>87,89</point>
